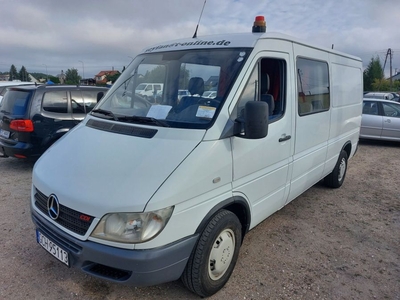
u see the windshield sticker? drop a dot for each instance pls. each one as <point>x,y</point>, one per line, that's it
<point>159,111</point>
<point>197,43</point>
<point>206,112</point>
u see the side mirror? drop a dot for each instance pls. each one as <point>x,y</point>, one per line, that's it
<point>252,123</point>
<point>256,119</point>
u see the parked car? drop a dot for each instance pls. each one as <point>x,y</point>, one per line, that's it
<point>209,94</point>
<point>396,97</point>
<point>380,95</point>
<point>33,117</point>
<point>380,120</point>
<point>148,90</point>
<point>6,84</point>
<point>182,93</point>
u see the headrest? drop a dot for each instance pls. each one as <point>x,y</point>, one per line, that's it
<point>196,86</point>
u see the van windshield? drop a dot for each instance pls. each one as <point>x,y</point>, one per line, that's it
<point>150,89</point>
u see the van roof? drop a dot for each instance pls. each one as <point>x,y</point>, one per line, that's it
<point>232,40</point>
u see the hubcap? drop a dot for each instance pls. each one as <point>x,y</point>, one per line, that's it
<point>342,169</point>
<point>221,254</point>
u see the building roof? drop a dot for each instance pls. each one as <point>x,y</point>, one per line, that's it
<point>103,73</point>
<point>396,77</point>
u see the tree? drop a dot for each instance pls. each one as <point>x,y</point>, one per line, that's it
<point>54,79</point>
<point>23,74</point>
<point>155,75</point>
<point>372,72</point>
<point>384,85</point>
<point>183,78</point>
<point>13,73</point>
<point>113,78</point>
<point>72,77</point>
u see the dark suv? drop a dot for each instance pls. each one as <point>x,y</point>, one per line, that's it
<point>32,118</point>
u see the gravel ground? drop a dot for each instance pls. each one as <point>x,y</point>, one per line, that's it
<point>327,244</point>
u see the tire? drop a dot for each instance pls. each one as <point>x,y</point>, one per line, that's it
<point>213,259</point>
<point>336,178</point>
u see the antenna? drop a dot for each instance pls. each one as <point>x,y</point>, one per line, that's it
<point>197,27</point>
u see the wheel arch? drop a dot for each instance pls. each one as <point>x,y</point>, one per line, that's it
<point>347,147</point>
<point>236,205</point>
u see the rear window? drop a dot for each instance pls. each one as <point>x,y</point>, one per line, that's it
<point>15,102</point>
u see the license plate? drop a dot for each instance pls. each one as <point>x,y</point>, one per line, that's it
<point>52,248</point>
<point>4,133</point>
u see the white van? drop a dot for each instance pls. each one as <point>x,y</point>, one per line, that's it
<point>144,194</point>
<point>149,90</point>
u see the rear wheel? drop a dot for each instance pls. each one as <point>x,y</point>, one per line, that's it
<point>336,178</point>
<point>214,257</point>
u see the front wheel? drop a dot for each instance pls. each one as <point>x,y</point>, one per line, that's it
<point>212,261</point>
<point>336,178</point>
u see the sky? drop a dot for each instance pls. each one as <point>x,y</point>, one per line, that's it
<point>48,36</point>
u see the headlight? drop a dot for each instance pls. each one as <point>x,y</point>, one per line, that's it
<point>132,227</point>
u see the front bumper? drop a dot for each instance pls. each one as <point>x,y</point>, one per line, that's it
<point>134,267</point>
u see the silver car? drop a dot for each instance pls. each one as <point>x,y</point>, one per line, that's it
<point>380,120</point>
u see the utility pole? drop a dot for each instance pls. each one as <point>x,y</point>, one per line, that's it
<point>83,68</point>
<point>388,53</point>
<point>47,74</point>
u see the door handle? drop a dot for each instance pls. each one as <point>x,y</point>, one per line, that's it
<point>285,138</point>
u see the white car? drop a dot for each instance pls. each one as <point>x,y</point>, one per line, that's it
<point>379,95</point>
<point>182,93</point>
<point>209,94</point>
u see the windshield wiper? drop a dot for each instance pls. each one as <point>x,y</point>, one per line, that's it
<point>144,120</point>
<point>105,112</point>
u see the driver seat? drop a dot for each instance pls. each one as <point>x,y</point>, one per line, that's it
<point>196,89</point>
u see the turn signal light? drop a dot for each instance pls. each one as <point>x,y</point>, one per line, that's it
<point>22,125</point>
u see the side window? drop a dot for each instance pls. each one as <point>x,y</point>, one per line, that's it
<point>266,83</point>
<point>83,101</point>
<point>55,101</point>
<point>370,108</point>
<point>391,110</point>
<point>90,99</point>
<point>77,103</point>
<point>313,92</point>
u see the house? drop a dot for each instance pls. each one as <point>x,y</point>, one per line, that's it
<point>395,77</point>
<point>101,78</point>
<point>61,77</point>
<point>4,77</point>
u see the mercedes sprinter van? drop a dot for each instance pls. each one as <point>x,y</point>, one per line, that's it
<point>149,193</point>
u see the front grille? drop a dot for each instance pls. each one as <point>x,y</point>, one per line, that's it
<point>68,218</point>
<point>61,241</point>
